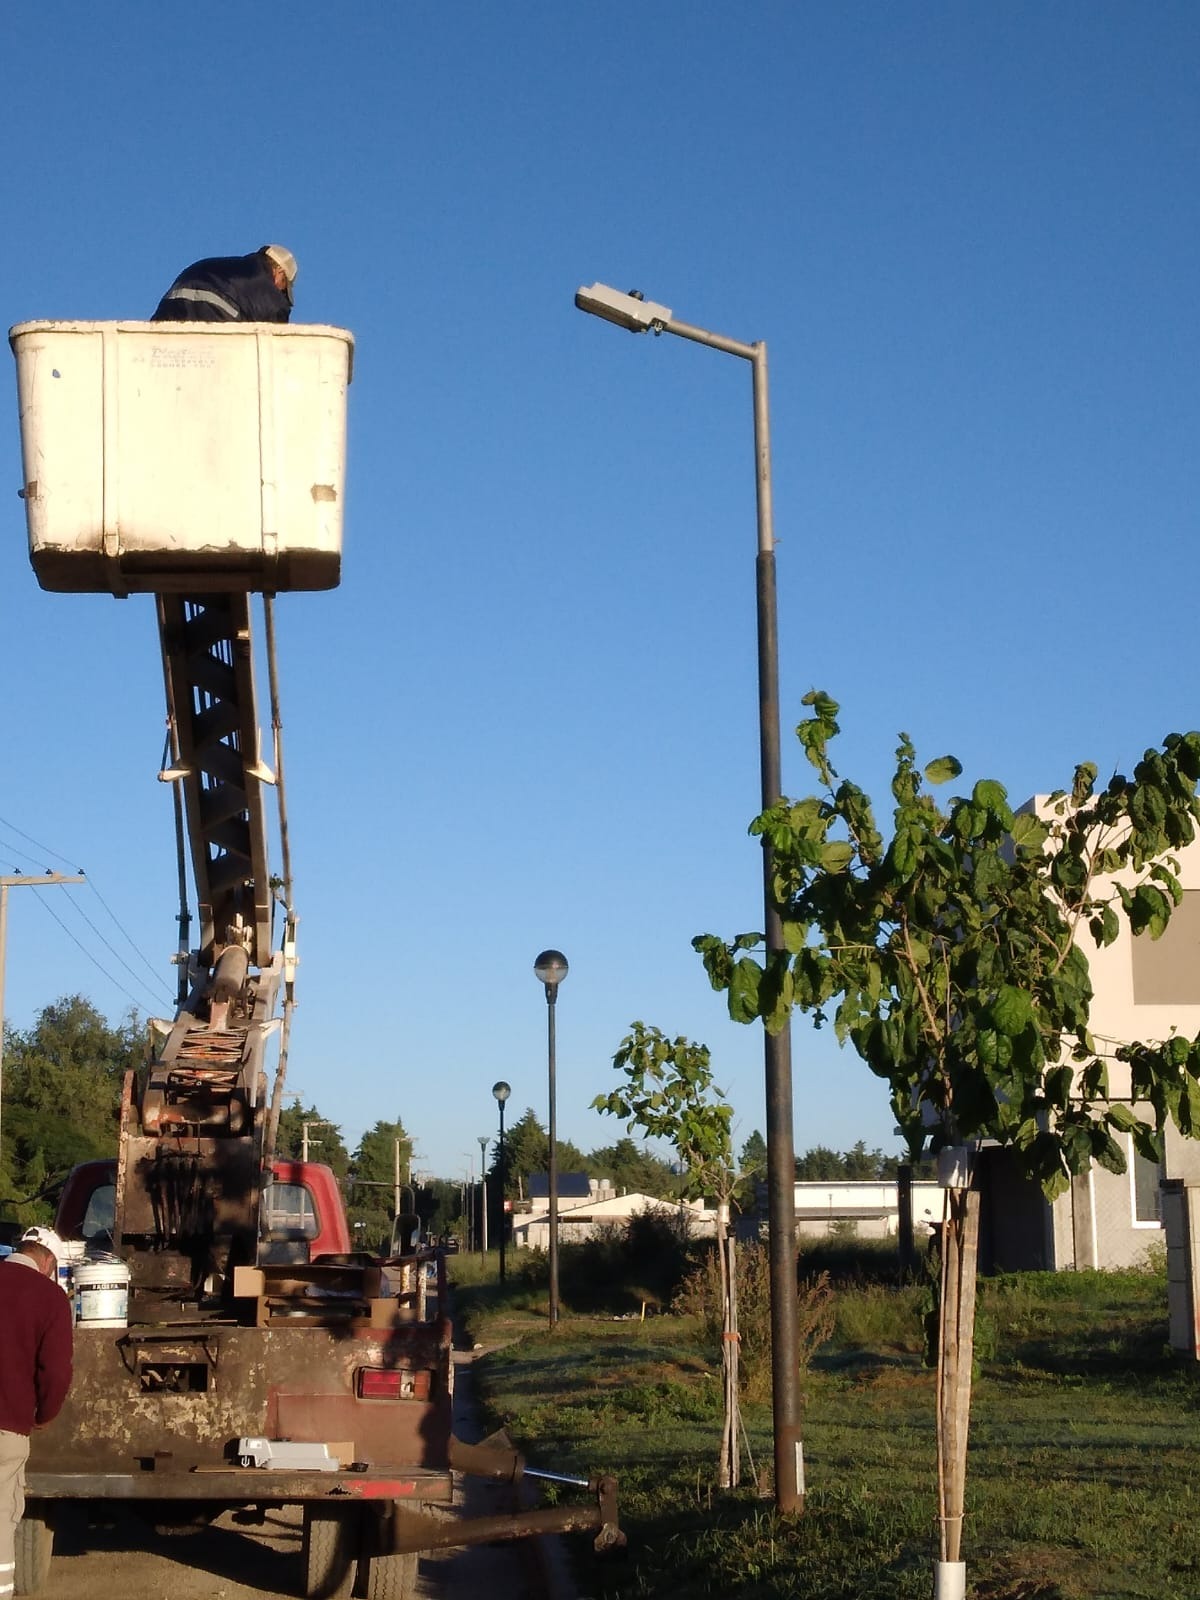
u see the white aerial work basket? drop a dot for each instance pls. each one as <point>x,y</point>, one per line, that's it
<point>183,458</point>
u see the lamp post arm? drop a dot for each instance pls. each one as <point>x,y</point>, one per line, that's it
<point>714,341</point>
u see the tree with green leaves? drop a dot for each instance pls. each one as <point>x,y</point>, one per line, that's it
<point>949,956</point>
<point>669,1094</point>
<point>372,1182</point>
<point>62,1093</point>
<point>527,1152</point>
<point>633,1168</point>
<point>325,1142</point>
<point>754,1155</point>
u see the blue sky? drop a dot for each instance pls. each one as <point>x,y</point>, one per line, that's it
<point>969,237</point>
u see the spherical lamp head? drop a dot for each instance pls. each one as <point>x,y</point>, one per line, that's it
<point>551,967</point>
<point>501,1091</point>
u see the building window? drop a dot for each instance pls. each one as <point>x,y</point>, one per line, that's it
<point>1166,971</point>
<point>1144,1178</point>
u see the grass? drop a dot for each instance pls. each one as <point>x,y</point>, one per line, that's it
<point>1083,1478</point>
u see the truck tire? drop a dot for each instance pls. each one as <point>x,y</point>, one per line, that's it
<point>329,1548</point>
<point>34,1543</point>
<point>392,1577</point>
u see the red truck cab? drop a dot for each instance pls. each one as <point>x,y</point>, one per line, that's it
<point>302,1213</point>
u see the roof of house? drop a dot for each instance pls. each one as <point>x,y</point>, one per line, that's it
<point>568,1186</point>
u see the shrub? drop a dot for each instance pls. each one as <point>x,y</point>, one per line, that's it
<point>700,1297</point>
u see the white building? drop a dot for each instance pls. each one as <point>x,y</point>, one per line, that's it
<point>587,1206</point>
<point>871,1205</point>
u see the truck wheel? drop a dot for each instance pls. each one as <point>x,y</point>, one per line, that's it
<point>392,1577</point>
<point>34,1542</point>
<point>329,1549</point>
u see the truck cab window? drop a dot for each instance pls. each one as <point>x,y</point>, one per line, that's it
<point>101,1211</point>
<point>288,1213</point>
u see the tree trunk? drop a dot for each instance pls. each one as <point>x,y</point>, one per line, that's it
<point>956,1348</point>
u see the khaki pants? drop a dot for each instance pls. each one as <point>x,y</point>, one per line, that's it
<point>14,1448</point>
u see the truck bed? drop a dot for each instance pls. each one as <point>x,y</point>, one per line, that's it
<point>154,1404</point>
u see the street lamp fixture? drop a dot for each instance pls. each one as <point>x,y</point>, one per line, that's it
<point>501,1091</point>
<point>639,315</point>
<point>483,1144</point>
<point>630,311</point>
<point>550,969</point>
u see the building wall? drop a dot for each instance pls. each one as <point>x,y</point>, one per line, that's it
<point>575,1223</point>
<point>1143,990</point>
<point>872,1206</point>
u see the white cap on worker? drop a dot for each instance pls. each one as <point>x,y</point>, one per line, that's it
<point>282,257</point>
<point>46,1236</point>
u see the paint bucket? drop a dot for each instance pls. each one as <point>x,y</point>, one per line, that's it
<point>102,1294</point>
<point>72,1255</point>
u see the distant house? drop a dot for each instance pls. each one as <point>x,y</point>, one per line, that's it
<point>871,1207</point>
<point>588,1205</point>
<point>1144,989</point>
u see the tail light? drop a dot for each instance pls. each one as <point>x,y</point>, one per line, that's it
<point>392,1383</point>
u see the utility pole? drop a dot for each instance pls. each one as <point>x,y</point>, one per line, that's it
<point>314,1122</point>
<point>19,881</point>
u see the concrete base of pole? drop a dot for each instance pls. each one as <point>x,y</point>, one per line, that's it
<point>949,1580</point>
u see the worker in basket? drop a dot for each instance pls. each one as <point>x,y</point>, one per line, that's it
<point>254,288</point>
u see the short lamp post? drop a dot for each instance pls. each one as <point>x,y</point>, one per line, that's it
<point>550,969</point>
<point>501,1091</point>
<point>639,315</point>
<point>483,1144</point>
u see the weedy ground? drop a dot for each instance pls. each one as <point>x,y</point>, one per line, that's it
<point>1083,1476</point>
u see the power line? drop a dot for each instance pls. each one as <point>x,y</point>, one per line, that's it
<point>115,953</point>
<point>149,965</point>
<point>46,850</point>
<point>85,951</point>
<point>13,851</point>
<point>4,823</point>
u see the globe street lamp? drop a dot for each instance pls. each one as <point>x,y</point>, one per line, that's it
<point>483,1144</point>
<point>639,315</point>
<point>551,968</point>
<point>501,1091</point>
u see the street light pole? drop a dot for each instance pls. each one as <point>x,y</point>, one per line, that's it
<point>551,968</point>
<point>470,1200</point>
<point>483,1144</point>
<point>501,1091</point>
<point>633,312</point>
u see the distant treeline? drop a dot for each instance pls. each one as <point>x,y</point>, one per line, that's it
<point>61,1097</point>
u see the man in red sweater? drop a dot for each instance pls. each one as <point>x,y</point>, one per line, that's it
<point>36,1332</point>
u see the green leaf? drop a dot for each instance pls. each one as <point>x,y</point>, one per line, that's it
<point>1012,1010</point>
<point>993,797</point>
<point>1150,911</point>
<point>836,856</point>
<point>943,769</point>
<point>1108,1152</point>
<point>1029,832</point>
<point>1084,783</point>
<point>743,990</point>
<point>905,852</point>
